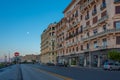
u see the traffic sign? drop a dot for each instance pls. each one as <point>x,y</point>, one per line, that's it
<point>16,54</point>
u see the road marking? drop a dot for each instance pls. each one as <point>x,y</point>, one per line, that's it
<point>54,74</point>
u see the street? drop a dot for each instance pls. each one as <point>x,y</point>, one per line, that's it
<point>42,72</point>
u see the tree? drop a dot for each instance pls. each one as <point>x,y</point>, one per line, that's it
<point>114,55</point>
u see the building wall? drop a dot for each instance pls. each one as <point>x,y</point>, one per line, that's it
<point>84,34</point>
<point>48,54</point>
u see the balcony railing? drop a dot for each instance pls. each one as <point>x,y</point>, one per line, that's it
<point>86,27</point>
<point>86,50</point>
<point>101,34</point>
<point>86,4</point>
<point>71,44</point>
<point>104,18</point>
<point>116,1</point>
<point>94,12</point>
<point>103,6</point>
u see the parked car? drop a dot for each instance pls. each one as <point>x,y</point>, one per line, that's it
<point>60,64</point>
<point>50,64</point>
<point>111,66</point>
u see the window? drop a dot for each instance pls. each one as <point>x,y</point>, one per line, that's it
<point>95,44</point>
<point>88,34</point>
<point>104,42</point>
<point>116,1</point>
<point>95,31</point>
<point>81,29</point>
<point>76,14</point>
<point>118,40</point>
<point>94,10</point>
<point>103,5</point>
<point>117,9</point>
<point>53,28</point>
<point>81,47</point>
<point>87,16</point>
<point>81,17</point>
<point>95,19</point>
<point>117,24</point>
<point>73,49</point>
<point>87,46</point>
<point>104,28</point>
<point>77,49</point>
<point>66,50</point>
<point>69,50</point>
<point>88,23</point>
<point>104,14</point>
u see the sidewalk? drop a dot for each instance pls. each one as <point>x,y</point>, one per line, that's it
<point>86,67</point>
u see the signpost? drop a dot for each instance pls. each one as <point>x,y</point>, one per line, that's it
<point>16,54</point>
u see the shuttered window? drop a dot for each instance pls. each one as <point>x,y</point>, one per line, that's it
<point>118,40</point>
<point>88,23</point>
<point>117,9</point>
<point>104,14</point>
<point>95,19</point>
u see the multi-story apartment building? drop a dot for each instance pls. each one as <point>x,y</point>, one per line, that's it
<point>60,39</point>
<point>48,37</point>
<point>89,29</point>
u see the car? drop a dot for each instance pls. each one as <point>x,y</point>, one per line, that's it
<point>50,64</point>
<point>111,66</point>
<point>60,64</point>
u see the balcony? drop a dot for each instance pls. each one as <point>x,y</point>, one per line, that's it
<point>86,50</point>
<point>75,24</point>
<point>102,19</point>
<point>87,3</point>
<point>71,44</point>
<point>101,34</point>
<point>116,1</point>
<point>94,12</point>
<point>103,6</point>
<point>70,36</point>
<point>86,17</point>
<point>86,27</point>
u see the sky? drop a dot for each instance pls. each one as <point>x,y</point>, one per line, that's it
<point>23,21</point>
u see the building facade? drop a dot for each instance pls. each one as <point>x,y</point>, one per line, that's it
<point>30,58</point>
<point>48,42</point>
<point>89,29</point>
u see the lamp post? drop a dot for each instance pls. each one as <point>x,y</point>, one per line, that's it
<point>89,59</point>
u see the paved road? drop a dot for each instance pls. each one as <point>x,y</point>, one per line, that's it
<point>42,72</point>
<point>81,73</point>
<point>9,73</point>
<point>25,72</point>
<point>30,73</point>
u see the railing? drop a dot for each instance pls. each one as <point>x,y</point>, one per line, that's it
<point>86,4</point>
<point>86,27</point>
<point>104,18</point>
<point>86,50</point>
<point>116,1</point>
<point>101,34</point>
<point>70,44</point>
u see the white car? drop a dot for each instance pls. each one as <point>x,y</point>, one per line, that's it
<point>111,66</point>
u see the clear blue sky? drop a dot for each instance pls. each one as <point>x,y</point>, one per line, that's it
<point>23,21</point>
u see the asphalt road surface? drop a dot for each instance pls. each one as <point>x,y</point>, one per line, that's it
<point>42,72</point>
<point>81,73</point>
<point>25,72</point>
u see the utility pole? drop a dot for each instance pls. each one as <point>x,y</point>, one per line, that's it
<point>9,56</point>
<point>5,59</point>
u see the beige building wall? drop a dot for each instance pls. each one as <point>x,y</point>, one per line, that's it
<point>92,28</point>
<point>30,58</point>
<point>48,42</point>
